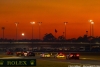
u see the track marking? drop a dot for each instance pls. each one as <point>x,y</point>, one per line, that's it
<point>10,57</point>
<point>66,62</point>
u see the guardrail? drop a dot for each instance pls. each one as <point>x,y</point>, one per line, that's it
<point>46,43</point>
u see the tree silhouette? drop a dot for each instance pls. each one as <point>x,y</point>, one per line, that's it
<point>72,40</point>
<point>49,37</point>
<point>85,38</point>
<point>80,39</point>
<point>61,38</point>
<point>3,28</point>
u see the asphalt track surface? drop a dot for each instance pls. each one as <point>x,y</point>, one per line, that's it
<point>83,61</point>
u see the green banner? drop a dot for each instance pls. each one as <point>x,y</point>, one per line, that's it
<point>17,62</point>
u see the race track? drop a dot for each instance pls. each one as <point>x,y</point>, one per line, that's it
<point>83,61</point>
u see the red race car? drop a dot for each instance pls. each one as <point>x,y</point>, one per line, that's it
<point>9,53</point>
<point>19,53</point>
<point>73,56</point>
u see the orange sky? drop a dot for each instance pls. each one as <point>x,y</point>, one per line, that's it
<point>52,14</point>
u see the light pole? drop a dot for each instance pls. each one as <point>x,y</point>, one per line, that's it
<point>3,28</point>
<point>65,28</point>
<point>32,28</point>
<point>16,29</point>
<point>39,29</point>
<point>63,33</point>
<point>91,28</point>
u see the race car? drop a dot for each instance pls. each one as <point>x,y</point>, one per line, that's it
<point>19,53</point>
<point>9,53</point>
<point>30,53</point>
<point>73,56</point>
<point>25,53</point>
<point>45,55</point>
<point>60,55</point>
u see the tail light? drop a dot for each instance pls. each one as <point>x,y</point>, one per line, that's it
<point>71,55</point>
<point>77,55</point>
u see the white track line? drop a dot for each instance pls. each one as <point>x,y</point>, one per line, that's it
<point>10,57</point>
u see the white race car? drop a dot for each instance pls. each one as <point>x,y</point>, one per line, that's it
<point>25,53</point>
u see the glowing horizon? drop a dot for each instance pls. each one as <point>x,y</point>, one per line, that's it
<point>52,14</point>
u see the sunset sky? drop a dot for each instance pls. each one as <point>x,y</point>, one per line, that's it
<point>52,14</point>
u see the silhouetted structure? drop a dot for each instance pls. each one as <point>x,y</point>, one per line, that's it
<point>39,29</point>
<point>49,38</point>
<point>3,28</point>
<point>16,30</point>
